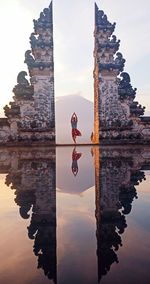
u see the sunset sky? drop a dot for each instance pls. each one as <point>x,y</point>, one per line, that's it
<point>73,43</point>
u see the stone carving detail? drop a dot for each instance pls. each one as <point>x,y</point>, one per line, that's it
<point>125,89</point>
<point>127,92</point>
<point>12,111</point>
<point>110,44</point>
<point>45,19</point>
<point>23,92</point>
<point>39,42</point>
<point>32,63</point>
<point>114,39</point>
<point>29,60</point>
<point>102,21</point>
<point>33,40</point>
<point>117,64</point>
<point>112,114</point>
<point>136,109</point>
<point>21,78</point>
<point>119,61</point>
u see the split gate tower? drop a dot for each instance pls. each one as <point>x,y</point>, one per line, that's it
<point>31,116</point>
<point>117,115</point>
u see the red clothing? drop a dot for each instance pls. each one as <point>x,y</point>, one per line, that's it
<point>75,132</point>
<point>76,156</point>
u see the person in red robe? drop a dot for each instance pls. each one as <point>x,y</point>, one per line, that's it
<point>75,131</point>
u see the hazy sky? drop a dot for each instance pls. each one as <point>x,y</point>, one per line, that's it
<point>73,42</point>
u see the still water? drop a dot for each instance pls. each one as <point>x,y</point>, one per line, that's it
<point>75,215</point>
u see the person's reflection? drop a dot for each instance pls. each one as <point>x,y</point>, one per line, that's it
<point>75,157</point>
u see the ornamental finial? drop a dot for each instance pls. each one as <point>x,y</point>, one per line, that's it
<point>51,4</point>
<point>102,21</point>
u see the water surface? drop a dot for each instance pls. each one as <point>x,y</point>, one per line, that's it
<point>75,215</point>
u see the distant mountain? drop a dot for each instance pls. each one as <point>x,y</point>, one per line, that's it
<point>84,109</point>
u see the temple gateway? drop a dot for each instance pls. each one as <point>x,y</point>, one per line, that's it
<point>118,117</point>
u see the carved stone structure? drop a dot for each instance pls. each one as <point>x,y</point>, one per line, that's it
<point>117,172</point>
<point>31,116</point>
<point>117,115</point>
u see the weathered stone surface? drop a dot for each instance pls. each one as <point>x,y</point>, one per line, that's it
<point>4,122</point>
<point>4,130</point>
<point>23,92</point>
